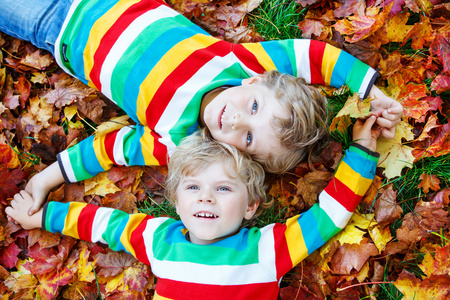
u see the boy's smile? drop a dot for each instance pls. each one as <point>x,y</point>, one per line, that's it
<point>213,203</point>
<point>242,116</point>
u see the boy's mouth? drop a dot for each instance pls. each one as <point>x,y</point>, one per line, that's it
<point>220,118</point>
<point>204,214</point>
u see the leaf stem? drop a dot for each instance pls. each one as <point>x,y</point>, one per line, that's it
<point>363,283</point>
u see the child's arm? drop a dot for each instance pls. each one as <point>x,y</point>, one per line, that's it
<point>41,183</point>
<point>20,205</point>
<point>120,230</point>
<point>308,231</point>
<point>129,146</point>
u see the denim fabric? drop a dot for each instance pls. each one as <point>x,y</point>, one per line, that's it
<point>37,21</point>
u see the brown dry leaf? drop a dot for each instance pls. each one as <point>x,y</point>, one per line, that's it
<point>310,186</point>
<point>112,263</point>
<point>37,60</point>
<point>67,91</point>
<point>386,208</point>
<point>428,182</point>
<point>350,257</point>
<point>368,200</point>
<point>427,217</point>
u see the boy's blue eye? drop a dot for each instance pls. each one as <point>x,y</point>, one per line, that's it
<point>249,138</point>
<point>192,187</point>
<point>254,107</point>
<point>223,189</point>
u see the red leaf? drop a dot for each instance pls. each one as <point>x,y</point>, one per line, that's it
<point>441,48</point>
<point>23,86</point>
<point>9,181</point>
<point>8,255</point>
<point>441,83</point>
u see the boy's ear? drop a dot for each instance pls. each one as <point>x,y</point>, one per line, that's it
<point>252,80</point>
<point>251,210</point>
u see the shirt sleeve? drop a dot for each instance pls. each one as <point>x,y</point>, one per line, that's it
<point>304,233</point>
<point>317,62</point>
<point>119,230</point>
<point>130,146</point>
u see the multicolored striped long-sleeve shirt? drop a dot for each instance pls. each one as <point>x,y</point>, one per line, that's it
<point>157,65</point>
<point>248,265</point>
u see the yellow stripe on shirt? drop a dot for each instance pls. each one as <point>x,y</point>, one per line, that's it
<point>263,58</point>
<point>133,221</point>
<point>330,57</point>
<point>100,152</point>
<point>352,180</point>
<point>148,147</point>
<point>294,238</point>
<point>70,224</point>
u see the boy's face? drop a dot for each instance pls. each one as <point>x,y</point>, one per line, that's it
<point>241,116</point>
<point>212,205</point>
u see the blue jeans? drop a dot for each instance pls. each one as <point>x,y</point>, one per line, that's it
<point>37,21</point>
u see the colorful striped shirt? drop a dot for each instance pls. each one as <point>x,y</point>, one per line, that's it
<point>157,65</point>
<point>248,265</point>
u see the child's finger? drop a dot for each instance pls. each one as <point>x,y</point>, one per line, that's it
<point>370,122</point>
<point>382,122</point>
<point>388,133</point>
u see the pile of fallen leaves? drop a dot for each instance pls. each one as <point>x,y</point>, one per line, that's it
<point>43,111</point>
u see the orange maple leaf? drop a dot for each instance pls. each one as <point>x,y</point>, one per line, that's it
<point>428,182</point>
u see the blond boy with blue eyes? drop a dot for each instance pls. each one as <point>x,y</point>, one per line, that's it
<point>171,77</point>
<point>216,189</point>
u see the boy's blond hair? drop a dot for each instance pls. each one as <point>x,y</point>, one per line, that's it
<point>304,132</point>
<point>196,152</point>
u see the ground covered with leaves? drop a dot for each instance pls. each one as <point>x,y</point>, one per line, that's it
<point>397,245</point>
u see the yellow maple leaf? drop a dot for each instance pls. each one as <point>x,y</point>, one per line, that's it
<point>85,267</point>
<point>380,237</point>
<point>394,156</point>
<point>355,107</point>
<point>70,111</point>
<point>100,185</point>
<point>112,125</point>
<point>353,233</point>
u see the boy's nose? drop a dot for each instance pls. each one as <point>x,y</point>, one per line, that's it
<point>206,196</point>
<point>239,121</point>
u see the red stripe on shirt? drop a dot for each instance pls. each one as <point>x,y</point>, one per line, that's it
<point>111,36</point>
<point>343,194</point>
<point>85,221</point>
<point>283,259</point>
<point>188,290</point>
<point>137,241</point>
<point>185,70</point>
<point>159,149</point>
<point>110,139</point>
<point>316,51</point>
<point>248,58</point>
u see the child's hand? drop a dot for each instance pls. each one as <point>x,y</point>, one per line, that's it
<point>387,110</point>
<point>366,133</point>
<point>40,185</point>
<point>18,211</point>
